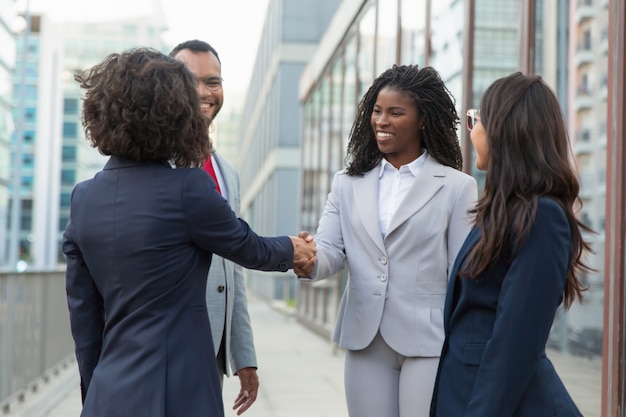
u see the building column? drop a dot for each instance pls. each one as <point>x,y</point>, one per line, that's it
<point>526,36</point>
<point>468,81</point>
<point>613,366</point>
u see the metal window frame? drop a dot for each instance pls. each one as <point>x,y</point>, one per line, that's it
<point>613,366</point>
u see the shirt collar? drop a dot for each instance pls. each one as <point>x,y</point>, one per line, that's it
<point>412,166</point>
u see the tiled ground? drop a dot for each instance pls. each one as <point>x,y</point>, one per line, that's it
<point>297,370</point>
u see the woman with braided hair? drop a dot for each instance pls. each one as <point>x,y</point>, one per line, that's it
<point>396,216</point>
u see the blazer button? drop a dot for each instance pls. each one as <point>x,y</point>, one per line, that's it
<point>383,278</point>
<point>383,260</point>
<point>221,288</point>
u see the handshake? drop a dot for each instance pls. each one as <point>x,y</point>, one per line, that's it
<point>304,250</point>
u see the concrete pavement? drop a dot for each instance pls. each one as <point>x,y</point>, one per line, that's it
<point>301,374</point>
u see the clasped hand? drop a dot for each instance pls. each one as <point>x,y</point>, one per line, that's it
<point>304,250</point>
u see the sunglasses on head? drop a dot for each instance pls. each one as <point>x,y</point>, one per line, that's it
<point>473,116</point>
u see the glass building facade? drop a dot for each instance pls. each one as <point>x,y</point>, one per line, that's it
<point>86,44</point>
<point>54,154</point>
<point>471,43</point>
<point>7,67</point>
<point>268,159</point>
<point>25,97</point>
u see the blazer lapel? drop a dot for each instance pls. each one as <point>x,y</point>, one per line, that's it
<point>469,243</point>
<point>429,180</point>
<point>365,198</point>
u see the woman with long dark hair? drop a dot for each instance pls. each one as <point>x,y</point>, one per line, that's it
<point>523,258</point>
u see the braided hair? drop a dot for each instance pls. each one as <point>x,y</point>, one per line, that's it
<point>436,109</point>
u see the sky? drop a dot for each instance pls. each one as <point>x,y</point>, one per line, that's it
<point>232,27</point>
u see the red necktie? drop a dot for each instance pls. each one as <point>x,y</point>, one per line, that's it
<point>208,167</point>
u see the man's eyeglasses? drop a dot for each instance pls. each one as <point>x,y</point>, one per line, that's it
<point>212,83</point>
<point>473,116</point>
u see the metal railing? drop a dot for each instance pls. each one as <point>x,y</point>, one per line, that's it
<point>34,329</point>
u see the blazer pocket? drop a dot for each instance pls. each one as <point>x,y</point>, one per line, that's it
<point>198,308</point>
<point>473,353</point>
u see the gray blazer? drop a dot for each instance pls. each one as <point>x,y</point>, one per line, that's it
<point>397,283</point>
<point>226,293</point>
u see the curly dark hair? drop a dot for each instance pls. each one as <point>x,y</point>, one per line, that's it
<point>529,157</point>
<point>142,105</point>
<point>436,109</point>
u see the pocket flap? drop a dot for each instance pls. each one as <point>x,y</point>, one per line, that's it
<point>473,353</point>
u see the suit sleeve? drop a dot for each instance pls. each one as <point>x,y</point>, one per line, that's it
<point>329,237</point>
<point>214,227</point>
<point>86,309</point>
<point>531,293</point>
<point>460,220</point>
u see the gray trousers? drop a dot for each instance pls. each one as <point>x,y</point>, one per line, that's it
<point>381,382</point>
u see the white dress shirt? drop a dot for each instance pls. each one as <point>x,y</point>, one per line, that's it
<point>393,185</point>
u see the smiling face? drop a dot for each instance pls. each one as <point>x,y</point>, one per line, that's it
<point>207,69</point>
<point>397,126</point>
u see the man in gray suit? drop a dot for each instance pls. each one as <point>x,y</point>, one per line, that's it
<point>226,294</point>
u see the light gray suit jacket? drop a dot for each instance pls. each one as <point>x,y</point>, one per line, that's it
<point>397,283</point>
<point>226,293</point>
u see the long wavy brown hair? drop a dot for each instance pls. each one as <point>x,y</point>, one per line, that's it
<point>143,105</point>
<point>529,157</point>
<point>436,110</point>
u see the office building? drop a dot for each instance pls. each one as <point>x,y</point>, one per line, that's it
<point>270,133</point>
<point>87,43</point>
<point>55,154</point>
<point>8,18</point>
<point>563,41</point>
<point>37,98</point>
<point>587,119</point>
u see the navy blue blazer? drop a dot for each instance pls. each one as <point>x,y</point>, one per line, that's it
<point>138,245</point>
<point>493,362</point>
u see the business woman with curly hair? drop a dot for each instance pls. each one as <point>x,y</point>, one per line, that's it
<point>139,243</point>
<point>523,258</point>
<point>396,216</point>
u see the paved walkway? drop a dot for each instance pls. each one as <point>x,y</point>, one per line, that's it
<point>301,374</point>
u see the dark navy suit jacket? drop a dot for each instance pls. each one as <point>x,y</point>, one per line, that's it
<point>138,245</point>
<point>493,362</point>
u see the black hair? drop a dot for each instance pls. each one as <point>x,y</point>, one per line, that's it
<point>529,157</point>
<point>195,45</point>
<point>142,105</point>
<point>436,109</point>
